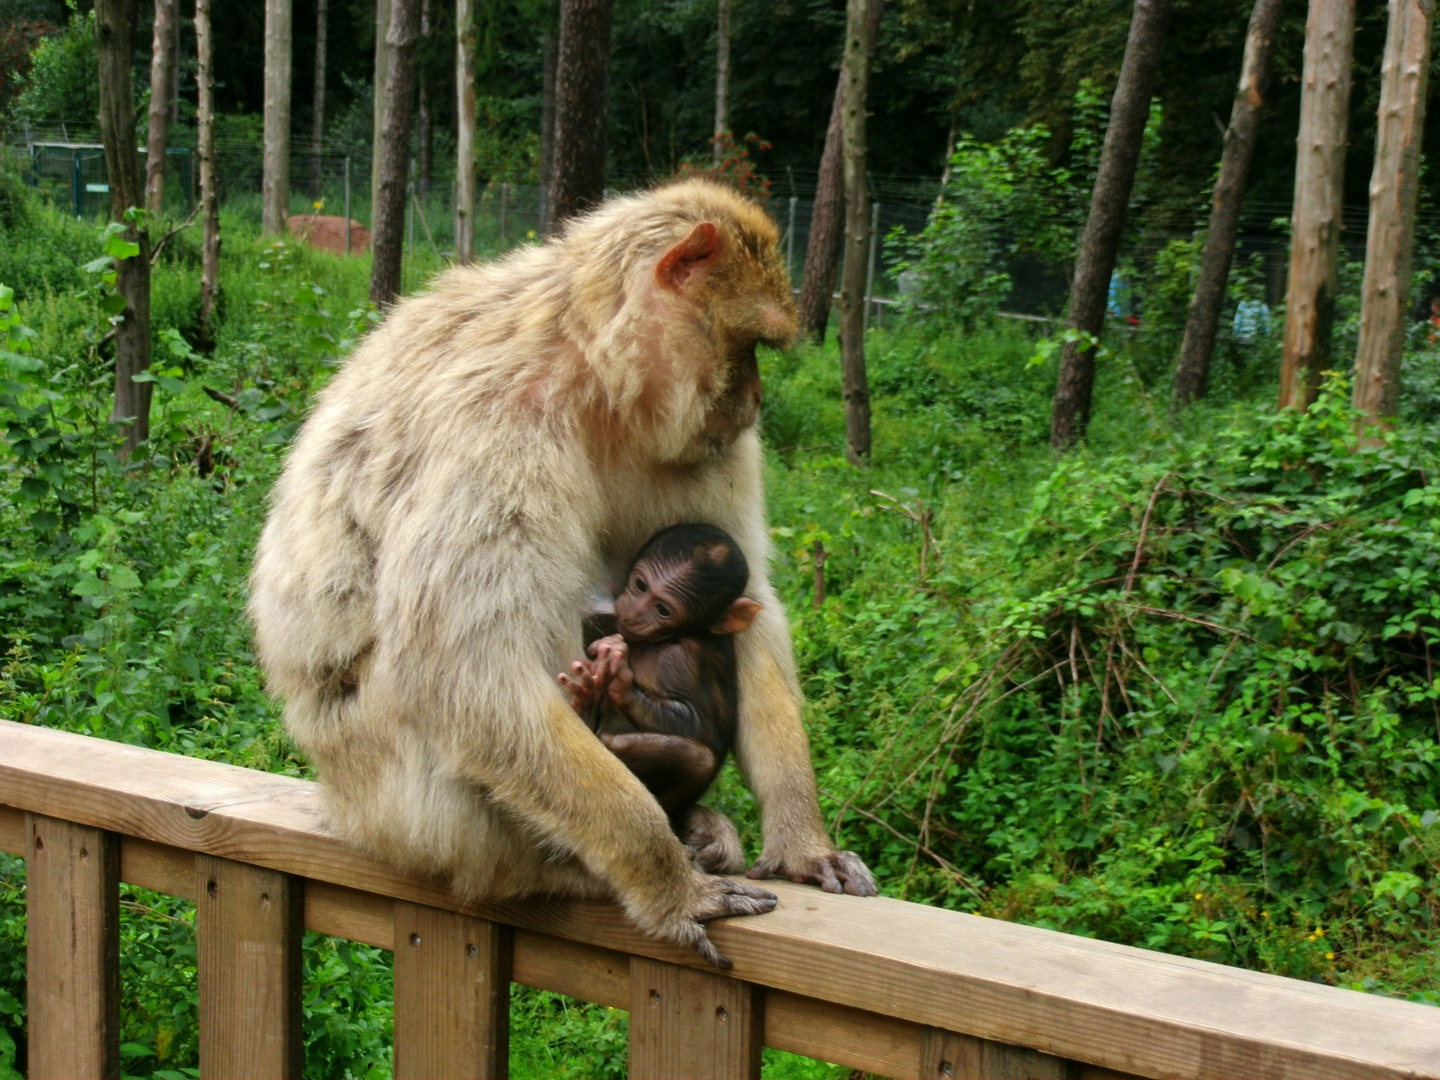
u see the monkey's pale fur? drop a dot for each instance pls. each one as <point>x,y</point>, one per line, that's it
<point>488,454</point>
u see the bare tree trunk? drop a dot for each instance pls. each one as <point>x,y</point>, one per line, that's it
<point>317,114</point>
<point>425,120</point>
<point>174,93</point>
<point>115,40</point>
<point>1192,371</point>
<point>465,131</point>
<point>581,82</point>
<point>209,197</point>
<point>722,75</point>
<point>827,215</point>
<point>1393,189</point>
<point>162,62</point>
<point>388,236</point>
<point>854,385</point>
<point>275,193</point>
<point>382,79</point>
<point>547,130</point>
<point>1319,185</point>
<point>1129,109</point>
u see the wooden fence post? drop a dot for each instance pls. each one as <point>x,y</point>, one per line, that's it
<point>947,1055</point>
<point>452,995</point>
<point>695,1024</point>
<point>249,923</point>
<point>72,954</point>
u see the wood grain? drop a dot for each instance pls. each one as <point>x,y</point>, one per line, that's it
<point>947,1055</point>
<point>452,995</point>
<point>12,831</point>
<point>693,1024</point>
<point>72,949</point>
<point>860,1040</point>
<point>248,929</point>
<point>1115,1007</point>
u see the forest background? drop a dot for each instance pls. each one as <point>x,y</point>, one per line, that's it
<point>1174,688</point>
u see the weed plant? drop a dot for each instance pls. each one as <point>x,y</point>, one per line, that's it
<point>1174,690</point>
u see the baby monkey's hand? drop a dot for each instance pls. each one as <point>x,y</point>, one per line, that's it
<point>582,686</point>
<point>610,668</point>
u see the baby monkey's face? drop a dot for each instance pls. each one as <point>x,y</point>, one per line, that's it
<point>650,607</point>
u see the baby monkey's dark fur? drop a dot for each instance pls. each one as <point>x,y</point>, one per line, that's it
<point>662,692</point>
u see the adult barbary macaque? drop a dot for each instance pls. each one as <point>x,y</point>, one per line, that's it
<point>662,691</point>
<point>489,451</point>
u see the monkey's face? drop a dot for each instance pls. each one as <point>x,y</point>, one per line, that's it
<point>738,290</point>
<point>650,608</point>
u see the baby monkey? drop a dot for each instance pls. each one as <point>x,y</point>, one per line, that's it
<point>662,693</point>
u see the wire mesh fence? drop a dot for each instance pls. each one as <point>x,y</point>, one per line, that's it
<point>68,167</point>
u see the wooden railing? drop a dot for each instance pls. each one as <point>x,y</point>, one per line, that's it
<point>879,985</point>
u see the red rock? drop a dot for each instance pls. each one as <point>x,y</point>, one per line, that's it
<point>327,233</point>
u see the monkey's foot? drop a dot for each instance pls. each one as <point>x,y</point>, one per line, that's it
<point>840,871</point>
<point>712,840</point>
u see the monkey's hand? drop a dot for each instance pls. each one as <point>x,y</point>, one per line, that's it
<point>714,898</point>
<point>839,871</point>
<point>612,667</point>
<point>582,686</point>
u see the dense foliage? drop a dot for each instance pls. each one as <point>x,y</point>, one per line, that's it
<point>1175,690</point>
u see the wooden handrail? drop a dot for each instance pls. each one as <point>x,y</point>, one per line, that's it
<point>881,985</point>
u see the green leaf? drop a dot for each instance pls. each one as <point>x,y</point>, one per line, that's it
<point>112,304</point>
<point>33,489</point>
<point>117,247</point>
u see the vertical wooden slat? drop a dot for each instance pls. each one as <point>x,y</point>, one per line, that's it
<point>693,1024</point>
<point>947,1055</point>
<point>452,995</point>
<point>249,924</point>
<point>72,949</point>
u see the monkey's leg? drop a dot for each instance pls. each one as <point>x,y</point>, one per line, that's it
<point>677,770</point>
<point>712,839</point>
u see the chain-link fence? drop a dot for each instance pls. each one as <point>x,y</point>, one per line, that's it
<point>68,167</point>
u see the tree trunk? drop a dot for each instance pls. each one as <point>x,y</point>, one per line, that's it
<point>827,214</point>
<point>115,41</point>
<point>1192,371</point>
<point>388,236</point>
<point>465,131</point>
<point>550,48</point>
<point>425,120</point>
<point>275,185</point>
<point>1393,188</point>
<point>581,79</point>
<point>854,385</point>
<point>722,75</point>
<point>1319,185</point>
<point>162,61</point>
<point>209,197</point>
<point>1129,109</point>
<point>382,79</point>
<point>317,114</point>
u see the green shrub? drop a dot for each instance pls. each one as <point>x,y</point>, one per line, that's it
<point>62,83</point>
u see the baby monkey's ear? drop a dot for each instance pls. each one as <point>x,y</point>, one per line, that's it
<point>689,260</point>
<point>741,614</point>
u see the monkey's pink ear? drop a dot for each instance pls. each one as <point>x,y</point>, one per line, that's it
<point>688,260</point>
<point>741,615</point>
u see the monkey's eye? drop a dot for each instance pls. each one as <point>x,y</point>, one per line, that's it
<point>662,610</point>
<point>640,585</point>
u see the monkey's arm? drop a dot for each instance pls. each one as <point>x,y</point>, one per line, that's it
<point>771,746</point>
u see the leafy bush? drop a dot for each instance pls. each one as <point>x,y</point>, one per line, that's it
<point>61,84</point>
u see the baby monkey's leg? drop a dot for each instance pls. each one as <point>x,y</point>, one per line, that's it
<point>677,770</point>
